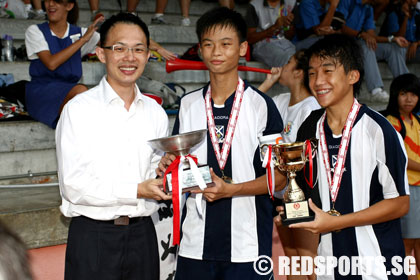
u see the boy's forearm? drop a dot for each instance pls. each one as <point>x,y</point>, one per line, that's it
<point>382,211</point>
<point>413,165</point>
<point>259,185</point>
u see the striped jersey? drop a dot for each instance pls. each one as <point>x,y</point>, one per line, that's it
<point>375,169</point>
<point>237,229</point>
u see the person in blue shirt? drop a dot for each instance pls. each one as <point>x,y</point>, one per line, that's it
<point>359,23</point>
<point>314,20</point>
<point>402,21</point>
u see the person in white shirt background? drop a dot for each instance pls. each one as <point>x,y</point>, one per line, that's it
<point>294,107</point>
<point>106,165</point>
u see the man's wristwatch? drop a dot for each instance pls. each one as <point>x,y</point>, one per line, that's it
<point>390,38</point>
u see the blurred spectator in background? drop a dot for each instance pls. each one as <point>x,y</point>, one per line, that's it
<point>35,12</point>
<point>402,20</point>
<point>266,25</point>
<point>94,7</point>
<point>56,48</point>
<point>401,113</point>
<point>131,8</point>
<point>315,20</point>
<point>379,6</point>
<point>160,10</point>
<point>359,23</point>
<point>14,261</point>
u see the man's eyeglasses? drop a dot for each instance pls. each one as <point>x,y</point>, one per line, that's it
<point>121,49</point>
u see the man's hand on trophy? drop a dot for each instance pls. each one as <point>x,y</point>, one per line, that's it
<point>152,188</point>
<point>219,190</point>
<point>165,161</point>
<point>322,223</point>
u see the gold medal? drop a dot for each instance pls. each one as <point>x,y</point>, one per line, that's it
<point>335,213</point>
<point>227,179</point>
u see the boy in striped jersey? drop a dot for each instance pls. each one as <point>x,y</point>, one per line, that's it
<point>236,225</point>
<point>362,188</point>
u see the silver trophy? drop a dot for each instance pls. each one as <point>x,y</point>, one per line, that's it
<point>290,158</point>
<point>181,145</point>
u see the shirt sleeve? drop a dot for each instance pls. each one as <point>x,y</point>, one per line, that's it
<point>395,122</point>
<point>274,120</point>
<point>80,184</point>
<point>90,46</point>
<point>392,24</point>
<point>344,8</point>
<point>369,23</point>
<point>391,162</point>
<point>308,14</point>
<point>35,42</point>
<point>251,17</point>
<point>163,131</point>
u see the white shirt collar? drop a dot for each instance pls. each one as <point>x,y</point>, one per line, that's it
<point>110,95</point>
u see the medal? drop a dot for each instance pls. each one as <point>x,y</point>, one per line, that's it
<point>223,154</point>
<point>335,182</point>
<point>227,179</point>
<point>334,212</point>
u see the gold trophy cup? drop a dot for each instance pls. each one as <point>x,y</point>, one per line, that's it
<point>290,158</point>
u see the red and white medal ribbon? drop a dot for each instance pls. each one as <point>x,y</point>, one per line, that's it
<point>309,155</point>
<point>177,170</point>
<point>233,119</point>
<point>335,182</point>
<point>269,165</point>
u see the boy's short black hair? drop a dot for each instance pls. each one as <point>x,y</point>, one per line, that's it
<point>222,17</point>
<point>403,83</point>
<point>126,18</point>
<point>344,50</point>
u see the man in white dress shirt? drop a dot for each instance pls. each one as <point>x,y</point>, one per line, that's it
<point>105,164</point>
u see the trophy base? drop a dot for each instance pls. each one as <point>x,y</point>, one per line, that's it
<point>296,212</point>
<point>188,179</point>
<point>286,222</point>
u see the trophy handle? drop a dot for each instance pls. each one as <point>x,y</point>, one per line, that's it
<point>313,144</point>
<point>266,145</point>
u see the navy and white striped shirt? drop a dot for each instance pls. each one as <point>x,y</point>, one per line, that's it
<point>375,169</point>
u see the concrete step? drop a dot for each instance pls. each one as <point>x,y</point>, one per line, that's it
<point>29,147</point>
<point>197,7</point>
<point>172,37</point>
<point>146,6</point>
<point>93,72</point>
<point>34,215</point>
<point>170,18</point>
<point>159,33</point>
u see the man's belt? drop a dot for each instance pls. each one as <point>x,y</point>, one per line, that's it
<point>120,221</point>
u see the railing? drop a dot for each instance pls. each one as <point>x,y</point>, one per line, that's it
<point>29,175</point>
